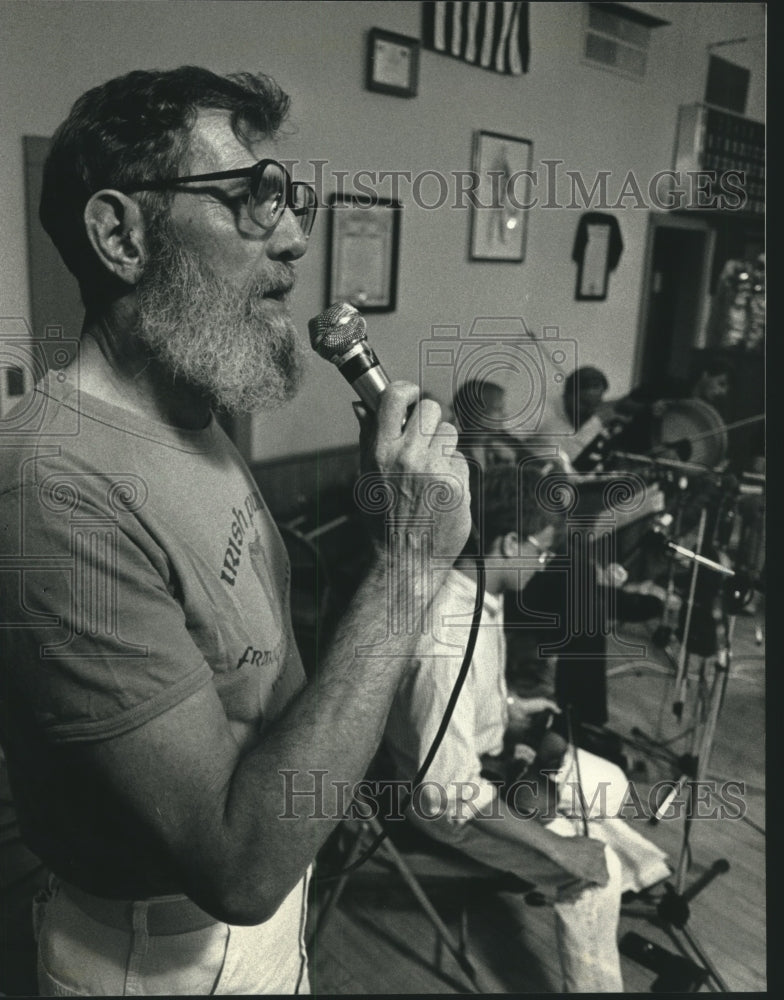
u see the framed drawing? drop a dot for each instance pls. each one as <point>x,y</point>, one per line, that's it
<point>499,218</point>
<point>363,252</point>
<point>392,63</point>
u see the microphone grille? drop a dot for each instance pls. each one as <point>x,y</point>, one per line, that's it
<point>336,329</point>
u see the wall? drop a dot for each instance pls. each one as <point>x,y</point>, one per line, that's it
<point>588,118</point>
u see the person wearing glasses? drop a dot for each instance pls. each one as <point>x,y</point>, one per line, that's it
<point>169,763</point>
<point>504,788</point>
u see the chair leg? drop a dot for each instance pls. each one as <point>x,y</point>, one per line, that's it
<point>463,928</point>
<point>443,931</point>
<point>332,900</point>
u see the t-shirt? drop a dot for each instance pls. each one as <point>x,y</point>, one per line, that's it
<point>138,563</point>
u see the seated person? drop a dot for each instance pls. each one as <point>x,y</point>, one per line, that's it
<point>479,411</point>
<point>649,402</point>
<point>581,422</point>
<point>462,803</point>
<point>479,408</point>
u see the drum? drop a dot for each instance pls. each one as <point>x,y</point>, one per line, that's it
<point>696,432</point>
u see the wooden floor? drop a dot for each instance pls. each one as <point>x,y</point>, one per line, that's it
<point>377,941</point>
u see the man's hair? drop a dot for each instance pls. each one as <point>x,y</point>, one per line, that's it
<point>511,500</point>
<point>136,128</point>
<point>469,403</point>
<point>585,377</point>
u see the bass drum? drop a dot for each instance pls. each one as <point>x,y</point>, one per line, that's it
<point>698,430</point>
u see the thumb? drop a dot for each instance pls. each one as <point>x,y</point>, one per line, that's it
<point>361,411</point>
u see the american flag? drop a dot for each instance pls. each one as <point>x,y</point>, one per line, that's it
<point>491,35</point>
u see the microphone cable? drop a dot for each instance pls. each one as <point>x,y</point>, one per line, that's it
<point>339,335</point>
<point>457,687</point>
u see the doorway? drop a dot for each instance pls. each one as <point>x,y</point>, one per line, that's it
<point>674,300</point>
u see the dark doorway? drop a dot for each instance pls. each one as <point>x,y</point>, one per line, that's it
<point>675,291</point>
<point>684,258</point>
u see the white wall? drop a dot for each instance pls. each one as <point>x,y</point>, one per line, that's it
<point>589,118</point>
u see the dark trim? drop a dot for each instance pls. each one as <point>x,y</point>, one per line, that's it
<point>632,14</point>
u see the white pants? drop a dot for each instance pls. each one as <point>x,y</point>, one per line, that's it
<point>604,788</point>
<point>590,960</point>
<point>586,924</point>
<point>79,955</point>
<point>587,928</point>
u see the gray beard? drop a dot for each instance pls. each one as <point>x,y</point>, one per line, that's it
<point>240,349</point>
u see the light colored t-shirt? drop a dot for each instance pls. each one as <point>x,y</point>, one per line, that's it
<point>139,563</point>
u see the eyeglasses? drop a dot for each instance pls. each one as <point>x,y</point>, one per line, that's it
<point>544,555</point>
<point>272,191</point>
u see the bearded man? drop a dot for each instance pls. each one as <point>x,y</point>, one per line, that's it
<point>154,706</point>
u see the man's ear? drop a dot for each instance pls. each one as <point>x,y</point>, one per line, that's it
<point>510,545</point>
<point>115,228</point>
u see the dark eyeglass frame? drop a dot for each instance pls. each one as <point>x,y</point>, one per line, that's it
<point>305,214</point>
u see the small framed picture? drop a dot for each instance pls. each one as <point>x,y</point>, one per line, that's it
<point>499,217</point>
<point>363,252</point>
<point>392,63</point>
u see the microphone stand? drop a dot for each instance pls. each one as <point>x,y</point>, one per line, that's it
<point>663,632</point>
<point>686,761</point>
<point>670,473</point>
<point>673,907</point>
<point>650,745</point>
<point>673,911</point>
<point>681,474</point>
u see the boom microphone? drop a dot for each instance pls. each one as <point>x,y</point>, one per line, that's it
<point>339,335</point>
<point>657,540</point>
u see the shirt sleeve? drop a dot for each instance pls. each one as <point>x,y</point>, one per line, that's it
<point>97,643</point>
<point>453,785</point>
<point>575,445</point>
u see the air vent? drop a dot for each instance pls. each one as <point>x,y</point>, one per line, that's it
<point>614,40</point>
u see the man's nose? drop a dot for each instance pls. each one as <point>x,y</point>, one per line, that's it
<point>287,241</point>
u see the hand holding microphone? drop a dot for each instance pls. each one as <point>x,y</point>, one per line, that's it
<point>403,440</point>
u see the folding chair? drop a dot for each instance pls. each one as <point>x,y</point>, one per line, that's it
<point>421,862</point>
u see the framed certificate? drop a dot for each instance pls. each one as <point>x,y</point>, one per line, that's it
<point>364,247</point>
<point>392,63</point>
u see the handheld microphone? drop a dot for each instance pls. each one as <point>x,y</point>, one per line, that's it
<point>339,335</point>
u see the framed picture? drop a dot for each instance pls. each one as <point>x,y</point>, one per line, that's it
<point>392,63</point>
<point>499,219</point>
<point>363,252</point>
